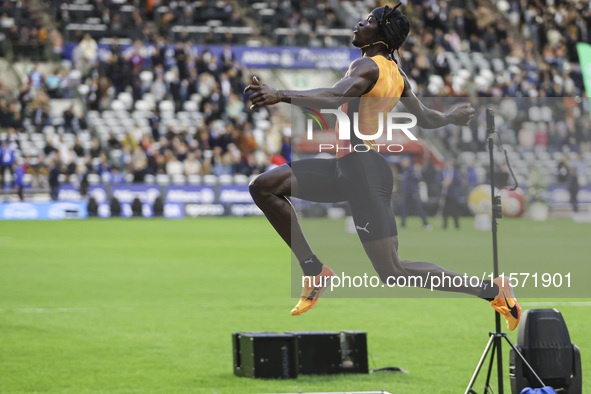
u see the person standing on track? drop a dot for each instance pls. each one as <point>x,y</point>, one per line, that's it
<point>450,180</point>
<point>363,178</point>
<point>410,178</point>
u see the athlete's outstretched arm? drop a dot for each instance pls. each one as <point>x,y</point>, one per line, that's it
<point>360,78</point>
<point>430,118</point>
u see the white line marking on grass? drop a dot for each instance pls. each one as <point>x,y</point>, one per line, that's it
<point>45,310</point>
<point>537,229</point>
<point>566,303</point>
<point>58,310</point>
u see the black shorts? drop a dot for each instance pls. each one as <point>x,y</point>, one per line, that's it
<point>363,179</point>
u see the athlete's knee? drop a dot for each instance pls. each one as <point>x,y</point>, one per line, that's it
<point>386,273</point>
<point>257,186</point>
<point>267,183</point>
<point>387,277</point>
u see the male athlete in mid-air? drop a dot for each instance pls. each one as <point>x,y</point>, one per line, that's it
<point>363,179</point>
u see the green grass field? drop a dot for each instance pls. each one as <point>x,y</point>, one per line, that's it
<point>138,306</point>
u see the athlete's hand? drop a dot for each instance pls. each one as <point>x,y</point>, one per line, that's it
<point>461,115</point>
<point>263,94</point>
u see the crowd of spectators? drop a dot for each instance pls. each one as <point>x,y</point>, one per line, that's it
<point>553,28</point>
<point>302,23</point>
<point>226,142</point>
<point>440,26</point>
<point>227,132</point>
<point>23,36</point>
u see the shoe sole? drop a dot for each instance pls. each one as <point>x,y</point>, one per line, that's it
<point>328,283</point>
<point>508,287</point>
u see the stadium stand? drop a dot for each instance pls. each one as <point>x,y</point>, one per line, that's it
<point>134,101</point>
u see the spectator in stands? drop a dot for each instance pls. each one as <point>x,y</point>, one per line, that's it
<point>192,166</point>
<point>249,165</point>
<point>235,107</point>
<point>136,58</point>
<point>19,182</point>
<point>78,149</point>
<point>526,137</point>
<point>36,79</point>
<point>40,112</point>
<point>173,165</point>
<point>157,163</point>
<point>554,139</point>
<point>49,146</point>
<point>7,159</point>
<point>5,21</point>
<point>541,135</point>
<point>116,176</point>
<point>57,45</point>
<point>139,165</point>
<point>227,58</point>
<point>68,116</point>
<point>5,114</point>
<point>158,88</point>
<point>103,167</point>
<point>53,84</point>
<point>314,41</point>
<point>124,161</point>
<point>93,96</point>
<point>271,143</point>
<point>95,148</point>
<point>24,98</point>
<point>39,172</point>
<point>220,163</point>
<point>154,121</point>
<point>68,158</point>
<point>85,53</point>
<point>472,175</point>
<point>54,173</point>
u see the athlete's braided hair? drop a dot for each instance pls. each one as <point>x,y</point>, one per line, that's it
<point>393,25</point>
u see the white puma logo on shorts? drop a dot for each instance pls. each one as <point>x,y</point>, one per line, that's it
<point>363,228</point>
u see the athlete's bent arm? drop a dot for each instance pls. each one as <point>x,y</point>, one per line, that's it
<point>360,78</point>
<point>431,119</point>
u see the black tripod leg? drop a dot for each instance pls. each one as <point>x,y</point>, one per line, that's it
<point>524,360</point>
<point>482,358</point>
<point>490,365</point>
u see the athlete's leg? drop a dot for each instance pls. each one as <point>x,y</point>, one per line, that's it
<point>383,254</point>
<point>370,204</point>
<point>368,183</point>
<point>311,180</point>
<point>269,191</point>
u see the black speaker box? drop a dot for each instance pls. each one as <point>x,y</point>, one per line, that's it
<point>354,352</point>
<point>319,352</point>
<point>544,341</point>
<point>265,355</point>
